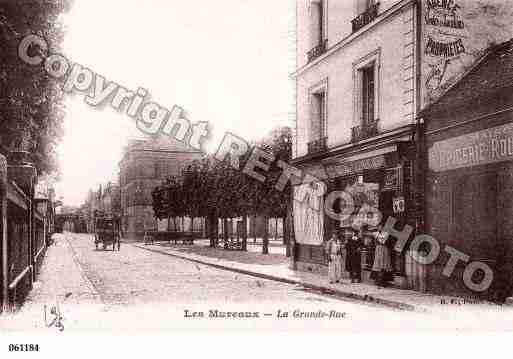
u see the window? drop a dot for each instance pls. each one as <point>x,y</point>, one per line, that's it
<point>318,118</point>
<point>368,92</point>
<point>366,12</point>
<point>317,18</point>
<point>366,96</point>
<point>364,5</point>
<point>366,73</point>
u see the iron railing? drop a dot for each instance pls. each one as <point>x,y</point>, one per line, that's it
<point>317,50</point>
<point>23,233</point>
<point>318,146</point>
<point>366,130</point>
<point>365,17</point>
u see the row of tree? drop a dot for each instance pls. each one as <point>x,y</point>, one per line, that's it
<point>214,190</point>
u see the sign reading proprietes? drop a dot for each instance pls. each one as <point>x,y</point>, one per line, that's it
<point>478,148</point>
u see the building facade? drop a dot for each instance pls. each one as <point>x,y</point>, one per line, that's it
<point>365,70</point>
<point>469,179</point>
<point>145,164</point>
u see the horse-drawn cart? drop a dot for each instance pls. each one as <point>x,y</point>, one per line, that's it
<point>107,232</point>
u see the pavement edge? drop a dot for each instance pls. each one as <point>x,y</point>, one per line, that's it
<point>336,292</point>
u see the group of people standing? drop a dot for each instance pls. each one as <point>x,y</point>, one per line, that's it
<point>347,252</point>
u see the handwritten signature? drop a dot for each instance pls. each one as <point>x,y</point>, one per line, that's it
<point>57,317</point>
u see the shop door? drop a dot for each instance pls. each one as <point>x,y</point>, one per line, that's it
<point>475,215</point>
<point>504,249</point>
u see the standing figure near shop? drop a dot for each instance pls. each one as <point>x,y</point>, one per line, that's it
<point>334,257</point>
<point>354,256</point>
<point>382,258</point>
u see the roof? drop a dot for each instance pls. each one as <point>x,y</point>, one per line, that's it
<point>159,143</point>
<point>490,75</point>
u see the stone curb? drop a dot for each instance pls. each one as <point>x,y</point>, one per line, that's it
<point>84,276</point>
<point>336,292</point>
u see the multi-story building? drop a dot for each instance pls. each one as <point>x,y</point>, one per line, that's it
<point>365,70</point>
<point>106,200</point>
<point>145,164</point>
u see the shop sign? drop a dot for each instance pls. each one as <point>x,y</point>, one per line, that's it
<point>349,168</point>
<point>478,148</point>
<point>393,179</point>
<point>398,204</point>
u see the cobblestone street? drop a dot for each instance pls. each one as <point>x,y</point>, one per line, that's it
<point>135,289</point>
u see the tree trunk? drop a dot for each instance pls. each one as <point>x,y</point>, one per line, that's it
<point>276,229</point>
<point>287,232</point>
<point>169,224</point>
<point>254,229</point>
<point>183,224</point>
<point>216,229</point>
<point>244,233</point>
<point>284,220</point>
<point>225,232</point>
<point>265,242</point>
<point>237,230</point>
<point>210,227</point>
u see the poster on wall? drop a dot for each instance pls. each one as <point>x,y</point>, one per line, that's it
<point>456,33</point>
<point>309,213</point>
<point>366,205</point>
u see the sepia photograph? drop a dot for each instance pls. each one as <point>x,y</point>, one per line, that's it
<point>237,166</point>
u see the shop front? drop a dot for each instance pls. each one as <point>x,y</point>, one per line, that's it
<point>378,179</point>
<point>470,200</point>
<point>469,177</point>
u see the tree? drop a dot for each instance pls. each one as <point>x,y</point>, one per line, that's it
<point>32,104</point>
<point>215,190</point>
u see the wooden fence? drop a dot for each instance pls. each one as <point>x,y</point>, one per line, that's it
<point>23,234</point>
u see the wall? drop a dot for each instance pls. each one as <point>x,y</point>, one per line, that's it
<point>143,168</point>
<point>474,27</point>
<point>337,26</point>
<point>469,208</point>
<point>393,39</point>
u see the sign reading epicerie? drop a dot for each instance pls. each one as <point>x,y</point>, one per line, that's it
<point>478,148</point>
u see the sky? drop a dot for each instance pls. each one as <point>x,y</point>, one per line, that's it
<point>227,62</point>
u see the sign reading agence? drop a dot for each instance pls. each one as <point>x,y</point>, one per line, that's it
<point>487,146</point>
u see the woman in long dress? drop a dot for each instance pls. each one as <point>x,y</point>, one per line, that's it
<point>382,258</point>
<point>334,257</point>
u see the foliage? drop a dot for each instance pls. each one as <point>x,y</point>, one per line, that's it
<point>32,104</point>
<point>210,188</point>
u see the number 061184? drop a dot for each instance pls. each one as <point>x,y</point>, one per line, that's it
<point>23,347</point>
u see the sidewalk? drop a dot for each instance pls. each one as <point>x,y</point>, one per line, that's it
<point>61,283</point>
<point>276,267</point>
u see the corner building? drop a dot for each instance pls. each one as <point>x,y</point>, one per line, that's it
<point>365,70</point>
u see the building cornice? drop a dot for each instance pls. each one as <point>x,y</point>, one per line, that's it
<point>402,134</point>
<point>387,14</point>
